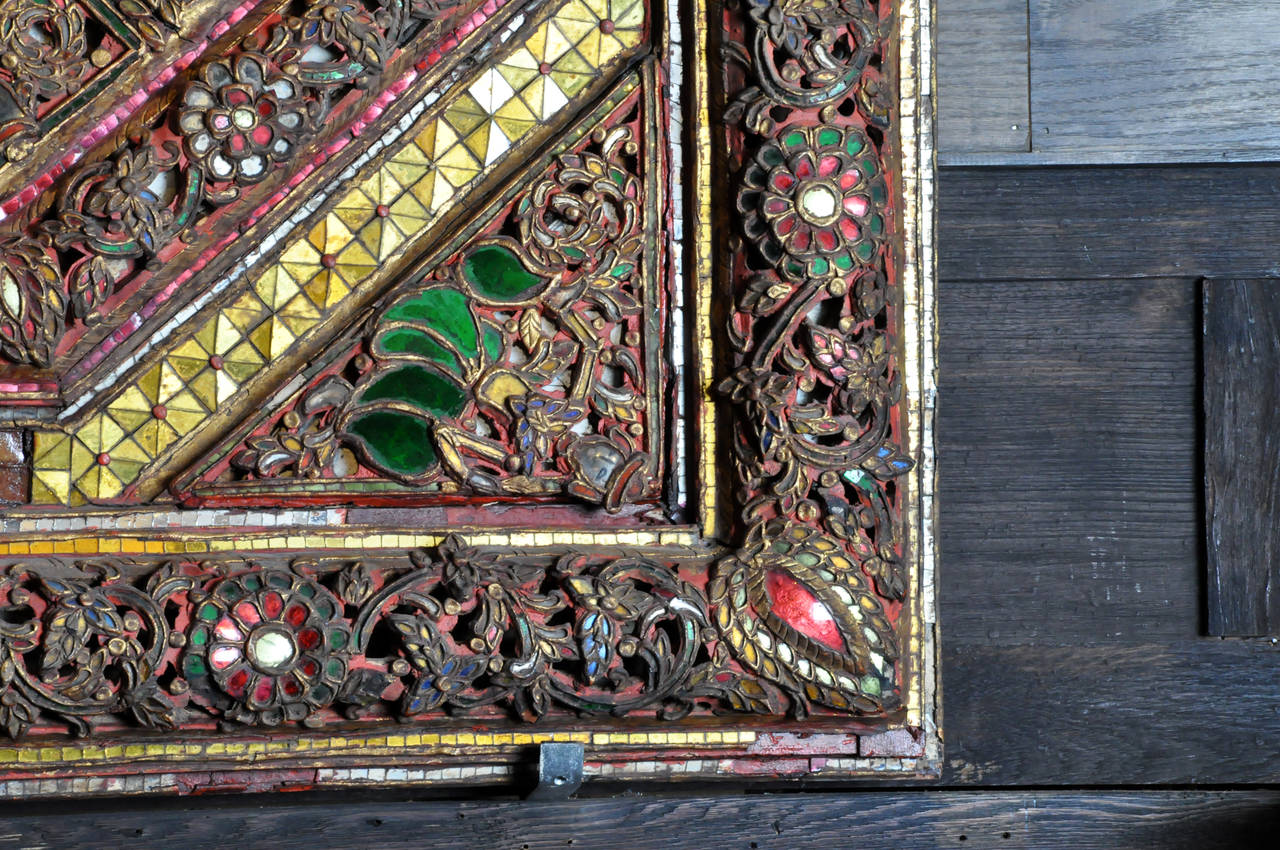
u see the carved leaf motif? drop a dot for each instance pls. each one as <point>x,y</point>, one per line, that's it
<point>17,716</point>
<point>32,304</point>
<point>91,282</point>
<point>355,584</point>
<point>531,332</point>
<point>152,707</point>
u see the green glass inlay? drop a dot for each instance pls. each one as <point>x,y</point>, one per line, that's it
<point>230,591</point>
<point>844,262</point>
<point>195,666</point>
<point>280,580</point>
<point>445,311</point>
<point>419,386</point>
<point>828,136</point>
<point>871,685</point>
<point>200,636</point>
<point>496,274</point>
<point>323,607</point>
<point>395,441</point>
<point>877,224</point>
<point>413,341</point>
<point>854,145</point>
<point>209,611</point>
<point>865,250</point>
<point>794,139</point>
<point>772,157</point>
<point>809,559</point>
<point>337,639</point>
<point>251,582</point>
<point>820,265</point>
<point>494,344</point>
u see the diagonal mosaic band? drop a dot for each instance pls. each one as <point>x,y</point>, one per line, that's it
<point>207,367</point>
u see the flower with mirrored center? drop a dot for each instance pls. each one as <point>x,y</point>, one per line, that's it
<point>812,201</point>
<point>271,641</point>
<point>237,121</point>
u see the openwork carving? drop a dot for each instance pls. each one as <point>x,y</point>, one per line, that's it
<point>242,117</point>
<point>514,369</point>
<point>808,601</point>
<point>461,629</point>
<point>523,409</point>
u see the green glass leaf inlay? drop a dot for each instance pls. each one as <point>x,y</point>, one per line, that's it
<point>404,340</point>
<point>496,274</point>
<point>445,311</point>
<point>394,441</point>
<point>419,386</point>
<point>828,136</point>
<point>494,344</point>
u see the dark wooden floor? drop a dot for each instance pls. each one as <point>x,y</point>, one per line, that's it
<point>1085,704</point>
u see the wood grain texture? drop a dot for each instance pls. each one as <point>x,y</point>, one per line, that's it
<point>983,104</point>
<point>1106,223</point>
<point>1007,820</point>
<point>1068,463</point>
<point>1242,455</point>
<point>1200,711</point>
<point>1163,79</point>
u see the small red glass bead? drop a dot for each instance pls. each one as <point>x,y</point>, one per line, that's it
<point>544,68</point>
<point>607,26</point>
<point>328,261</point>
<point>216,362</point>
<point>159,411</point>
<point>383,210</point>
<point>104,459</point>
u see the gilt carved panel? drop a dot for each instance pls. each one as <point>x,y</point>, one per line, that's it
<point>390,387</point>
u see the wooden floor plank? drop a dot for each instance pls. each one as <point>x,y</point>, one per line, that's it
<point>1106,223</point>
<point>983,103</point>
<point>1191,712</point>
<point>1007,820</point>
<point>1151,77</point>
<point>1242,455</point>
<point>1068,486</point>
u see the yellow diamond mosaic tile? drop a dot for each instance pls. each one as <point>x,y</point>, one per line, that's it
<point>528,85</point>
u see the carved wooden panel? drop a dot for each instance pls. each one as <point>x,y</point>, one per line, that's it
<point>391,386</point>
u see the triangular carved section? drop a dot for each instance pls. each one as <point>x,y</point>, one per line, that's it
<point>515,368</point>
<point>310,284</point>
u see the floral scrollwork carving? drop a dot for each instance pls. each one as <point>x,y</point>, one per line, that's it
<point>811,598</point>
<point>32,306</point>
<point>44,55</point>
<point>239,119</point>
<point>459,630</point>
<point>515,368</point>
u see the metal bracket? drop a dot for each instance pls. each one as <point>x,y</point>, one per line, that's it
<point>559,771</point>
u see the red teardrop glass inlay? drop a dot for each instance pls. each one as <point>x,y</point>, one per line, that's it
<point>272,604</point>
<point>247,613</point>
<point>235,684</point>
<point>796,606</point>
<point>296,615</point>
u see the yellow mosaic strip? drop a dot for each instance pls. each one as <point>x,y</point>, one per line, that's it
<point>425,741</point>
<point>529,85</point>
<point>195,542</point>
